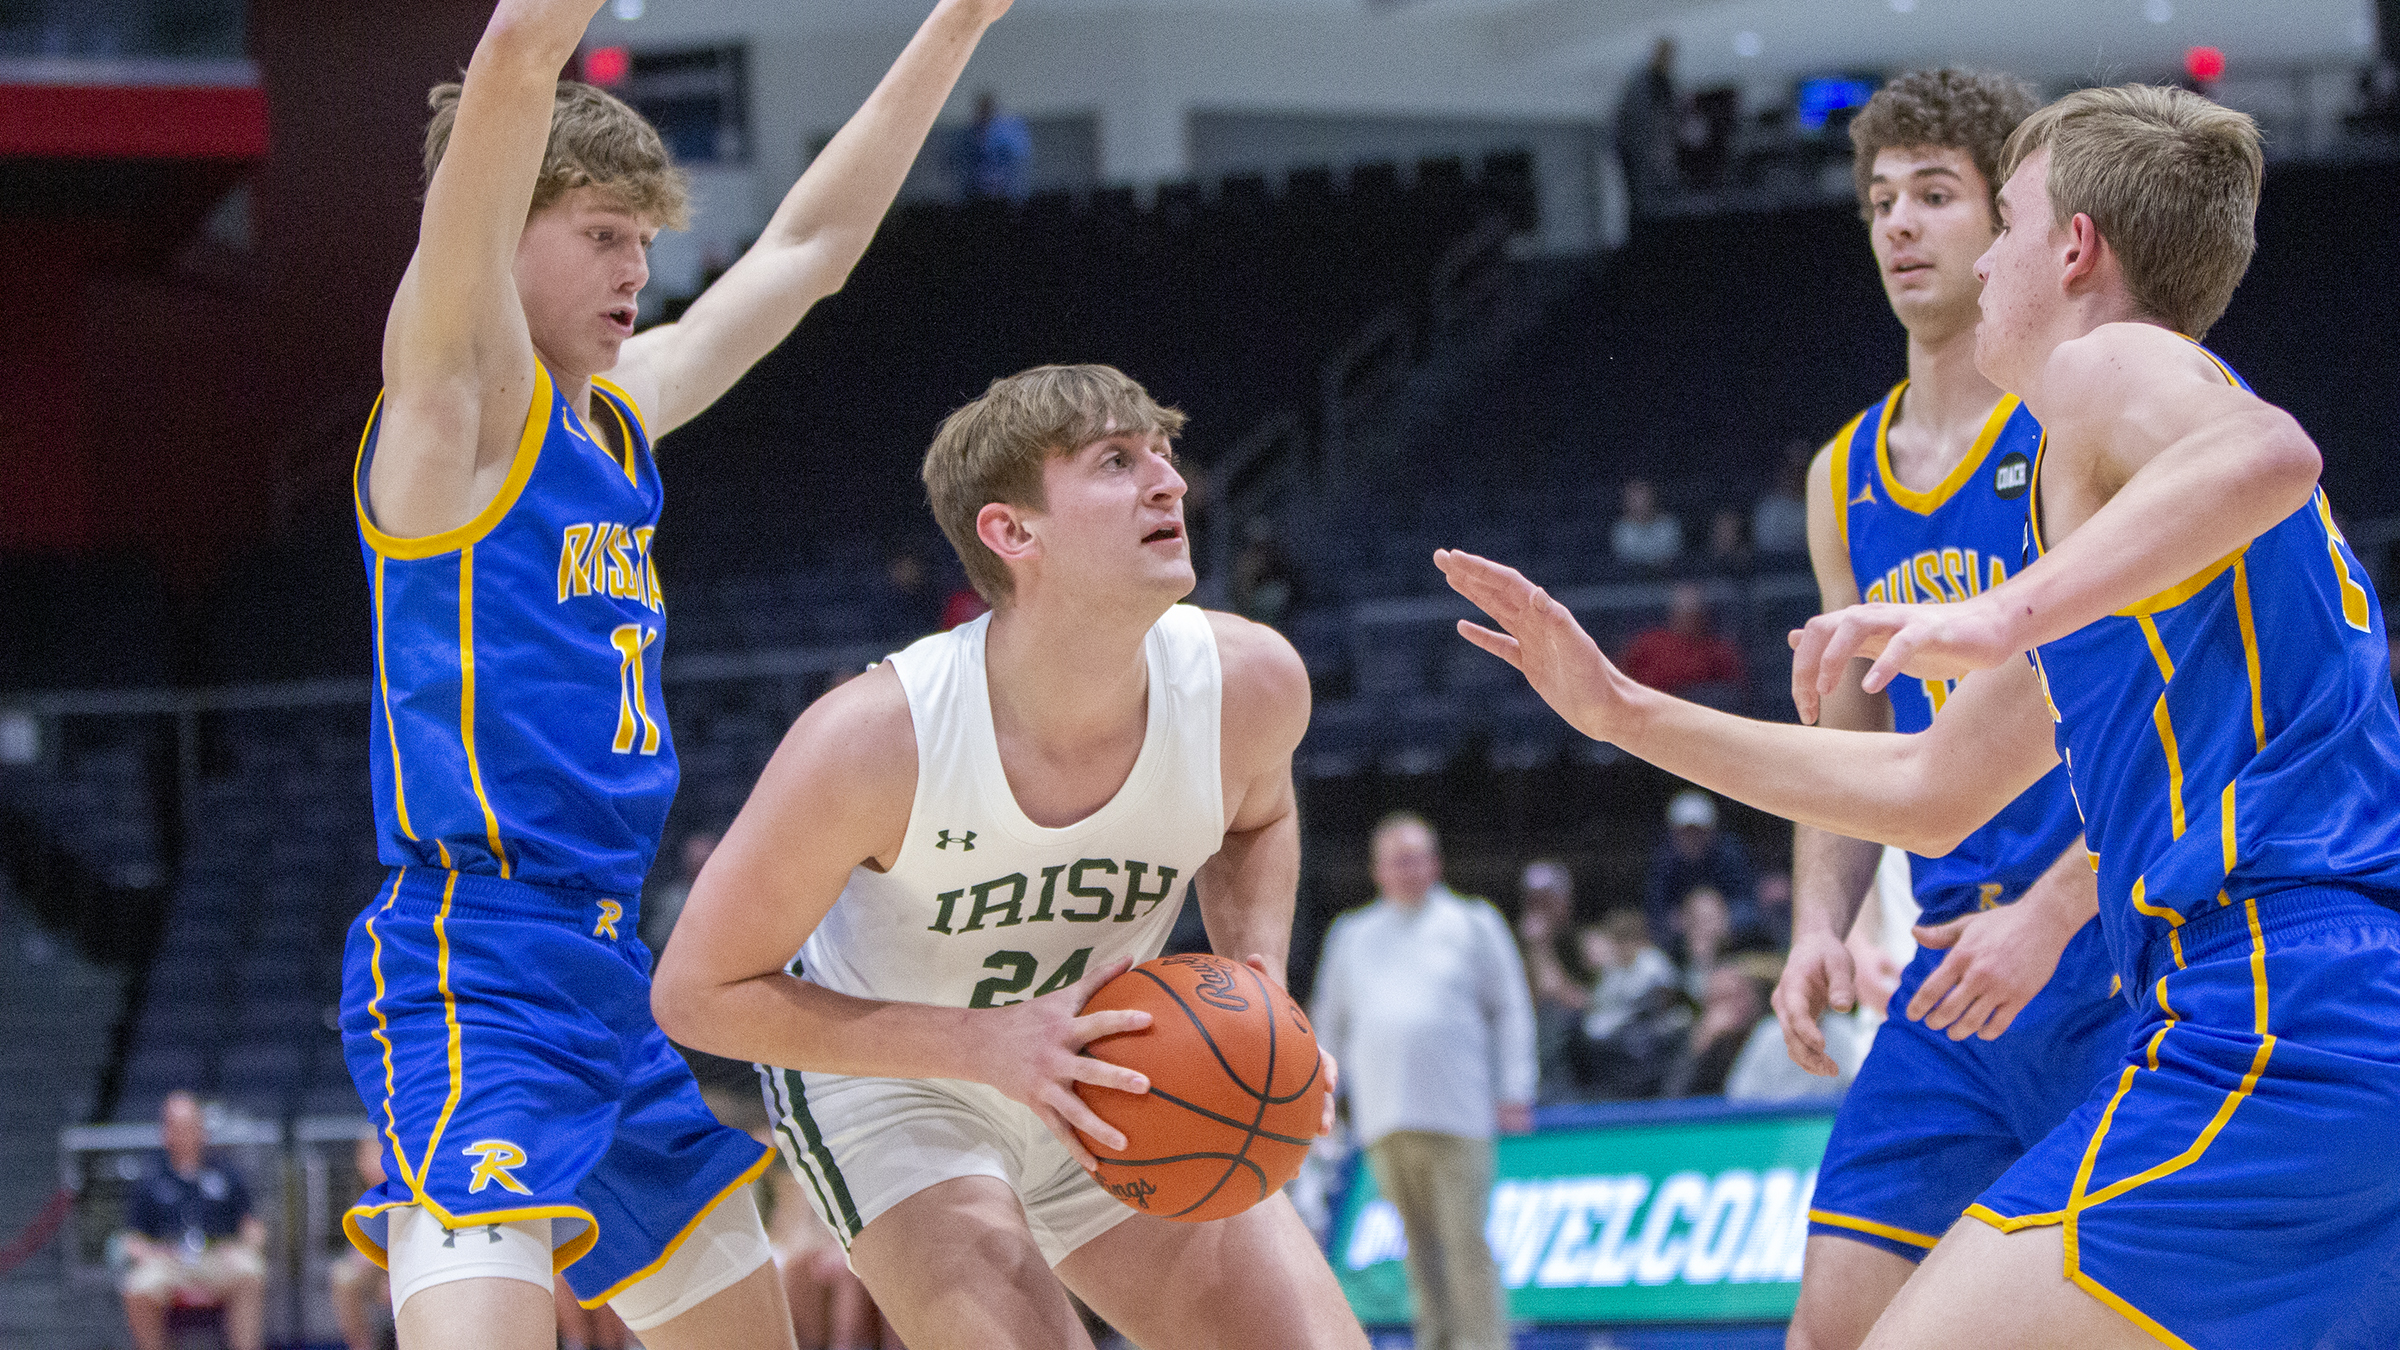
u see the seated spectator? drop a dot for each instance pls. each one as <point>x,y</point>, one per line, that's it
<point>1265,586</point>
<point>1685,656</point>
<point>1645,536</point>
<point>1635,1014</point>
<point>965,605</point>
<point>1728,548</point>
<point>1772,915</point>
<point>1559,997</point>
<point>1696,853</point>
<point>1733,1002</point>
<point>915,603</point>
<point>192,1239</point>
<point>1764,1071</point>
<point>995,153</point>
<point>362,1293</point>
<point>1779,520</point>
<point>1704,933</point>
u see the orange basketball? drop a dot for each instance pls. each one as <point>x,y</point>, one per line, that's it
<point>1236,1088</point>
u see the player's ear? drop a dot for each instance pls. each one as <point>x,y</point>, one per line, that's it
<point>2080,253</point>
<point>1006,531</point>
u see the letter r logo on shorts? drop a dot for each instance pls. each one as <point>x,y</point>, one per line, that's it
<point>494,1159</point>
<point>610,912</point>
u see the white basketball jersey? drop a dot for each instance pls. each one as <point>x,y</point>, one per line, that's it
<point>983,907</point>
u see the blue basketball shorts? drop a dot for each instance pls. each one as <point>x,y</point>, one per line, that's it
<point>500,1035</point>
<point>1930,1122</point>
<point>2236,1181</point>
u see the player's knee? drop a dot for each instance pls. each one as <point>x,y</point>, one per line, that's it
<point>421,1253</point>
<point>722,1249</point>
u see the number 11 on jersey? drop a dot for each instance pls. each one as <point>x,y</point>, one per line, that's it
<point>633,699</point>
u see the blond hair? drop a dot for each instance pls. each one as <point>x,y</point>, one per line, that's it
<point>2169,179</point>
<point>993,449</point>
<point>1967,110</point>
<point>596,140</point>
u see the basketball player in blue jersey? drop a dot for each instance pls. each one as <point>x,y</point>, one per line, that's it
<point>2208,659</point>
<point>495,997</point>
<point>966,841</point>
<point>1922,498</point>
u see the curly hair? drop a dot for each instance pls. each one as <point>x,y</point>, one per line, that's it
<point>1965,110</point>
<point>596,140</point>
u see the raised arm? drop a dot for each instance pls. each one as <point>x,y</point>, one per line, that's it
<point>815,237</point>
<point>837,793</point>
<point>1923,792</point>
<point>458,359</point>
<point>1830,872</point>
<point>2142,429</point>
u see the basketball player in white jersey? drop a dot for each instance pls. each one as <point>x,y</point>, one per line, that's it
<point>962,845</point>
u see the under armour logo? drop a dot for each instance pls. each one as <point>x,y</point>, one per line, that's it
<point>1865,497</point>
<point>610,912</point>
<point>495,1158</point>
<point>490,1231</point>
<point>965,841</point>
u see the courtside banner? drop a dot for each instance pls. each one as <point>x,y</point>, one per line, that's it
<point>1673,1212</point>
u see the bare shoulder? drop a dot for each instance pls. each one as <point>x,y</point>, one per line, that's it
<point>2098,372</point>
<point>848,765</point>
<point>1265,683</point>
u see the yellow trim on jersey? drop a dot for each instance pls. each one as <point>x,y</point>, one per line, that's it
<point>457,1051</point>
<point>2033,493</point>
<point>2127,1311</point>
<point>391,1123</point>
<point>383,681</point>
<point>1881,1230</point>
<point>520,471</point>
<point>1927,502</point>
<point>1837,465</point>
<point>560,1257</point>
<point>2008,1225</point>
<point>2225,812</point>
<point>627,399</point>
<point>2354,596</point>
<point>466,704</point>
<point>2184,590</point>
<point>2249,626</point>
<point>749,1174</point>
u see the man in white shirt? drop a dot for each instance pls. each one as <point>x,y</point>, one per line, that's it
<point>1421,998</point>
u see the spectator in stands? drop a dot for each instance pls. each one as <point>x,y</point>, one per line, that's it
<point>665,901</point>
<point>361,1292</point>
<point>1635,1015</point>
<point>1697,853</point>
<point>1685,656</point>
<point>1646,132</point>
<point>1703,935</point>
<point>1764,1071</point>
<point>1733,1003</point>
<point>191,1238</point>
<point>1728,545</point>
<point>1644,536</point>
<point>1265,586</point>
<point>995,153</point>
<point>1544,923</point>
<point>1421,1000</point>
<point>916,605</point>
<point>1772,914</point>
<point>1779,520</point>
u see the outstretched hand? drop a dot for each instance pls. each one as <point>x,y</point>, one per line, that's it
<point>1036,1058</point>
<point>1999,959</point>
<point>1934,642</point>
<point>1541,639</point>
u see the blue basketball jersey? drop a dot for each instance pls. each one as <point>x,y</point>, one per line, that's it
<point>2232,736</point>
<point>519,727</point>
<point>1960,539</point>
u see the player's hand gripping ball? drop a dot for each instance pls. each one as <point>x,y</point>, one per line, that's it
<point>1236,1088</point>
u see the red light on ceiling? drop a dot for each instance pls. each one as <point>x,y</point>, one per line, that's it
<point>2204,63</point>
<point>608,65</point>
